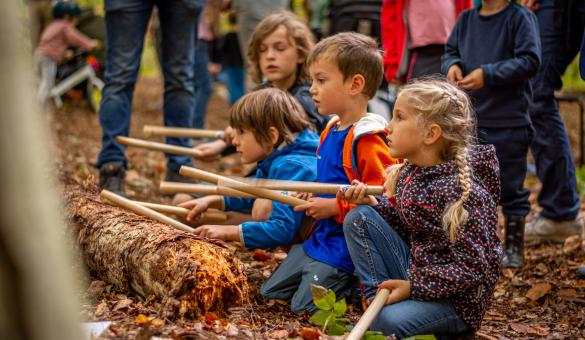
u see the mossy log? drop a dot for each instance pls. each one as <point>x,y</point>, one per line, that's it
<point>192,273</point>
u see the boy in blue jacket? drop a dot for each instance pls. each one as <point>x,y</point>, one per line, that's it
<point>492,52</point>
<point>272,129</point>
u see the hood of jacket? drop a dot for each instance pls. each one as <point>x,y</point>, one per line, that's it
<point>304,145</point>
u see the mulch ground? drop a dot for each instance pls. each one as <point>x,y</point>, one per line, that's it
<point>543,300</point>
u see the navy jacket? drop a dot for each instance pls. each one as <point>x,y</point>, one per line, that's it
<point>506,45</point>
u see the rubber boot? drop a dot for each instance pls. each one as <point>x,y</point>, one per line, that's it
<point>514,253</point>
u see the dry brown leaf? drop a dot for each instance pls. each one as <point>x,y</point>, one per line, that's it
<point>520,327</point>
<point>102,309</point>
<point>567,292</point>
<point>279,334</point>
<point>121,304</point>
<point>572,244</point>
<point>538,290</point>
<point>157,323</point>
<point>232,330</point>
<point>261,255</point>
<point>310,333</point>
<point>526,329</point>
<point>96,288</point>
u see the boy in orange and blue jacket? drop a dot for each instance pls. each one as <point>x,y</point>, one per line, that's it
<point>346,70</point>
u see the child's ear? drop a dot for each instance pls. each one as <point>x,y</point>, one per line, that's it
<point>432,134</point>
<point>358,82</point>
<point>274,135</point>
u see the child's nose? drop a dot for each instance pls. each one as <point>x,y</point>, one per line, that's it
<point>312,89</point>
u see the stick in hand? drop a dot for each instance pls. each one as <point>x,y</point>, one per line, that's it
<point>369,315</point>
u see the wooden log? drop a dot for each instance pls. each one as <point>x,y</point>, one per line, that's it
<point>189,274</point>
<point>154,130</point>
<point>173,149</point>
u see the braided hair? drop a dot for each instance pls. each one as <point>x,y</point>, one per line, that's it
<point>438,102</point>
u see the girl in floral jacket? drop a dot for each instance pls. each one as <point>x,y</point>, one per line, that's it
<point>433,240</point>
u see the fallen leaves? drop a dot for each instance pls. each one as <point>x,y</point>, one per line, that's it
<point>538,291</point>
<point>526,329</point>
<point>261,255</point>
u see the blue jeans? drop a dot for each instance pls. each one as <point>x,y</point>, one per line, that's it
<point>551,149</point>
<point>235,82</point>
<point>126,23</point>
<point>379,254</point>
<point>203,87</point>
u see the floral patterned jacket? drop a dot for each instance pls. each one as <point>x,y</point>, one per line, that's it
<point>463,272</point>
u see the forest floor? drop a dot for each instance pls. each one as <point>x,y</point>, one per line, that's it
<point>543,300</point>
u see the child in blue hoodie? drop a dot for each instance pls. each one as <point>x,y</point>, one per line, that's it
<point>272,129</point>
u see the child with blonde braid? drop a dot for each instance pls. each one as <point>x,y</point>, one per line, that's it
<point>432,241</point>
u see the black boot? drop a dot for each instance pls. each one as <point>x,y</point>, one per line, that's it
<point>113,177</point>
<point>514,253</point>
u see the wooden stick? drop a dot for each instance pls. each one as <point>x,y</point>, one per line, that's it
<point>259,192</point>
<point>300,186</point>
<point>209,215</point>
<point>154,130</point>
<point>176,150</point>
<point>201,189</point>
<point>369,315</point>
<point>143,211</point>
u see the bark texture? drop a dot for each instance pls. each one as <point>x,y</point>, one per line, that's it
<point>189,273</point>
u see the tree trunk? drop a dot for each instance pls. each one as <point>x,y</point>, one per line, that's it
<point>185,271</point>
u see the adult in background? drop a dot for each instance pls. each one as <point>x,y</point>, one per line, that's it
<point>581,270</point>
<point>126,23</point>
<point>561,26</point>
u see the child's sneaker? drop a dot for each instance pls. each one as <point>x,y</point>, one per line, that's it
<point>542,229</point>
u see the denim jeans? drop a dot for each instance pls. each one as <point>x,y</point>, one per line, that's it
<point>126,23</point>
<point>379,254</point>
<point>551,149</point>
<point>235,82</point>
<point>202,83</point>
<point>292,280</point>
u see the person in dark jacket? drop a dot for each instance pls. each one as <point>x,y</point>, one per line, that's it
<point>492,53</point>
<point>433,242</point>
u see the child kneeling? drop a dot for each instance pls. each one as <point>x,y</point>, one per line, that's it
<point>433,242</point>
<point>272,129</point>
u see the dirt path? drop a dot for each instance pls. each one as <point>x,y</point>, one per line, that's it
<point>543,300</point>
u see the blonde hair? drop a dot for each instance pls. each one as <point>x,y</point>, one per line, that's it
<point>297,31</point>
<point>354,53</point>
<point>261,109</point>
<point>439,102</point>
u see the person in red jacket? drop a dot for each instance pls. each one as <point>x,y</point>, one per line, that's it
<point>414,33</point>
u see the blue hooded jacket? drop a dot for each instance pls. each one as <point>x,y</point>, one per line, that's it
<point>296,162</point>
